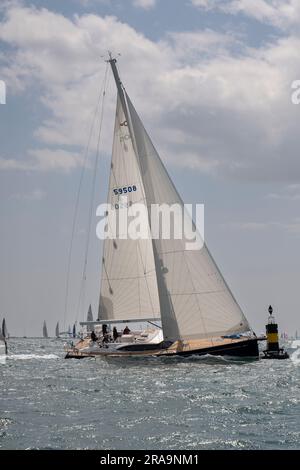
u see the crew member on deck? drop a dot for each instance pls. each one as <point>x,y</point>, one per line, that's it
<point>104,329</point>
<point>126,330</point>
<point>115,333</point>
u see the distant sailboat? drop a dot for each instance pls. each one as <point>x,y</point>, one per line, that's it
<point>45,331</point>
<point>74,331</point>
<point>155,279</point>
<point>57,330</point>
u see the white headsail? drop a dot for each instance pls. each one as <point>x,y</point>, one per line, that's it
<point>45,331</point>
<point>57,330</point>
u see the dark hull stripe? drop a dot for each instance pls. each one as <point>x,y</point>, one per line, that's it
<point>247,348</point>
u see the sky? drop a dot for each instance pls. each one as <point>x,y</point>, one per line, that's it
<point>212,81</point>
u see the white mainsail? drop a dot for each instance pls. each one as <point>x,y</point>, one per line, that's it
<point>3,336</point>
<point>128,282</point>
<point>57,330</point>
<point>89,318</point>
<point>194,298</point>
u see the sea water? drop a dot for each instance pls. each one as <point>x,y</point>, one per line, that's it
<point>47,402</point>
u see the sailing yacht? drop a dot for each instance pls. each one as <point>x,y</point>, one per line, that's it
<point>160,282</point>
<point>5,333</point>
<point>63,334</point>
<point>3,336</point>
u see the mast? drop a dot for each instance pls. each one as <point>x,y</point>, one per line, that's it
<point>89,317</point>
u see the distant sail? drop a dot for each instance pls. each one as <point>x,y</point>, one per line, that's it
<point>128,281</point>
<point>89,314</point>
<point>57,330</point>
<point>74,331</point>
<point>3,336</point>
<point>89,318</point>
<point>69,330</point>
<point>4,331</point>
<point>195,300</point>
<point>45,331</point>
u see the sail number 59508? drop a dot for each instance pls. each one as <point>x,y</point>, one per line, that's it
<point>125,190</point>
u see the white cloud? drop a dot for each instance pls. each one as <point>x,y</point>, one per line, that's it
<point>210,102</point>
<point>249,226</point>
<point>89,2</point>
<point>289,193</point>
<point>43,159</point>
<point>196,46</point>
